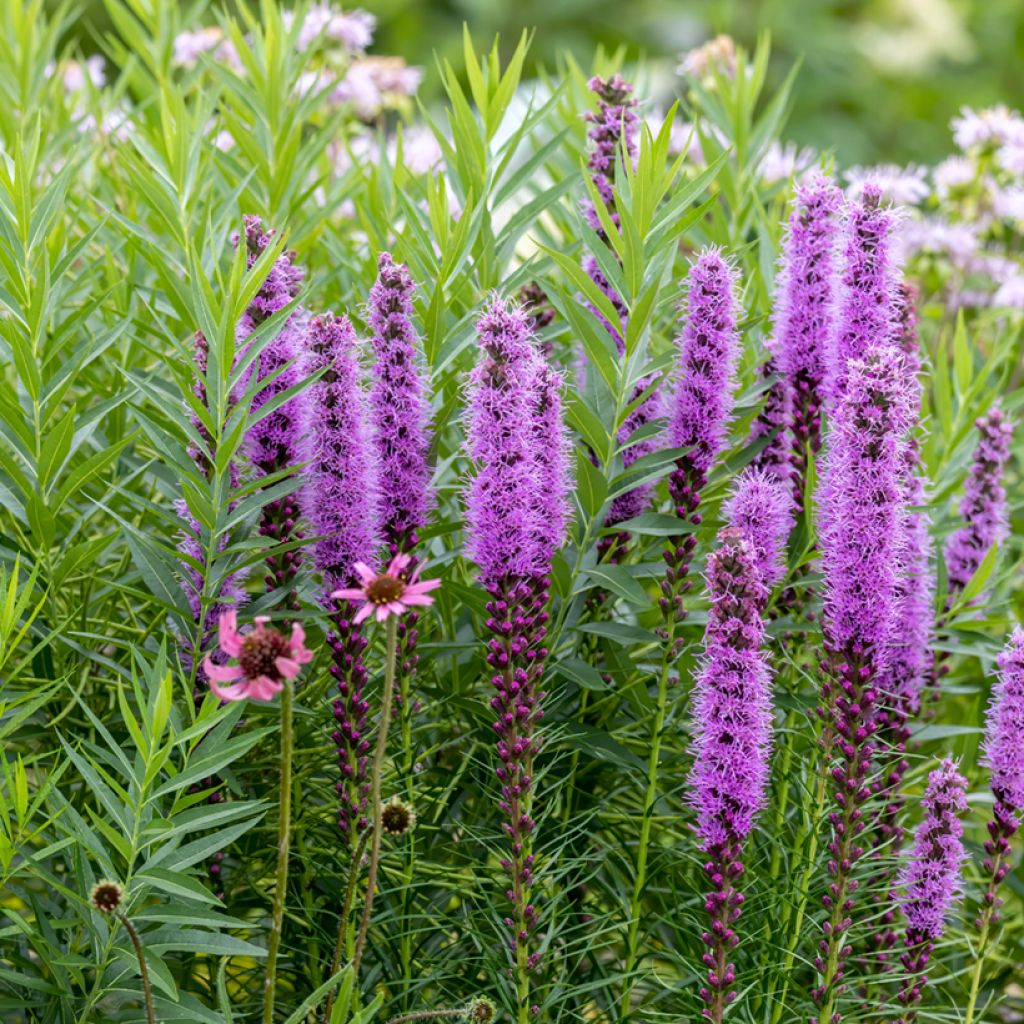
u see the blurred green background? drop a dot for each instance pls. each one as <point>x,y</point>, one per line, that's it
<point>880,79</point>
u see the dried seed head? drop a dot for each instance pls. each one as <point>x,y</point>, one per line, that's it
<point>106,896</point>
<point>397,817</point>
<point>480,1011</point>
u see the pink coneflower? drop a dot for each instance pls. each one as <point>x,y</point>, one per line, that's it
<point>389,592</point>
<point>265,659</point>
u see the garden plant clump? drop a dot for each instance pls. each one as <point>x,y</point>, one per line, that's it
<point>513,558</point>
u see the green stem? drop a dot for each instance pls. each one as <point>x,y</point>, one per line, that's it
<point>979,959</point>
<point>283,845</point>
<point>346,909</point>
<point>140,953</point>
<point>387,698</point>
<point>650,799</point>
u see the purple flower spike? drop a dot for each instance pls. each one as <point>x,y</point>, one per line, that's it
<point>273,442</point>
<point>805,313</point>
<point>760,507</point>
<point>732,731</point>
<point>931,878</point>
<point>400,411</point>
<point>1003,755</point>
<point>517,511</point>
<point>868,305</point>
<point>339,501</point>
<point>614,124</point>
<point>860,520</point>
<point>700,406</point>
<point>984,503</point>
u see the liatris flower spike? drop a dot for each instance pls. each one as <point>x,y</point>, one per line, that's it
<point>388,593</point>
<point>1003,755</point>
<point>264,658</point>
<point>931,878</point>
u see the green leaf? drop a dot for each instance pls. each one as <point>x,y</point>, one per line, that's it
<point>618,580</point>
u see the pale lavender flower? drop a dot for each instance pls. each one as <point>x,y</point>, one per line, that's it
<point>993,126</point>
<point>1010,294</point>
<point>781,163</point>
<point>905,185</point>
<point>718,54</point>
<point>953,174</point>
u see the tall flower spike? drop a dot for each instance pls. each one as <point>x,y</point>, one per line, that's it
<point>516,510</point>
<point>613,126</point>
<point>868,306</point>
<point>400,411</point>
<point>732,732</point>
<point>984,503</point>
<point>860,519</point>
<point>273,442</point>
<point>700,405</point>
<point>901,681</point>
<point>805,312</point>
<point>340,504</point>
<point>772,422</point>
<point>931,879</point>
<point>760,507</point>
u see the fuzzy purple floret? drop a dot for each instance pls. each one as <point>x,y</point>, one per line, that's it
<point>340,495</point>
<point>400,411</point>
<point>553,457</point>
<point>931,875</point>
<point>761,508</point>
<point>732,699</point>
<point>805,295</point>
<point>614,125</point>
<point>272,442</point>
<point>868,309</point>
<point>701,404</point>
<point>505,506</point>
<point>861,504</point>
<point>984,503</point>
<point>650,410</point>
<point>1004,728</point>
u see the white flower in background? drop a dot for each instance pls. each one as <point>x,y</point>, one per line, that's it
<point>353,30</point>
<point>373,82</point>
<point>76,73</point>
<point>716,54</point>
<point>116,125</point>
<point>780,163</point>
<point>910,37</point>
<point>953,173</point>
<point>993,126</point>
<point>937,236</point>
<point>1008,203</point>
<point>315,81</point>
<point>905,185</point>
<point>190,46</point>
<point>682,136</point>
<point>1010,158</point>
<point>1010,293</point>
<point>421,151</point>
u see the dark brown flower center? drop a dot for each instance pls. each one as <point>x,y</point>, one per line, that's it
<point>396,818</point>
<point>260,650</point>
<point>107,896</point>
<point>384,589</point>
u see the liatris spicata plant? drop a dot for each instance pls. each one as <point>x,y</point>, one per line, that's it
<point>760,507</point>
<point>868,303</point>
<point>984,503</point>
<point>1003,755</point>
<point>931,879</point>
<point>614,126</point>
<point>107,897</point>
<point>701,404</point>
<point>340,503</point>
<point>516,506</point>
<point>902,679</point>
<point>273,441</point>
<point>267,663</point>
<point>804,315</point>
<point>732,732</point>
<point>698,417</point>
<point>400,411</point>
<point>861,513</point>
